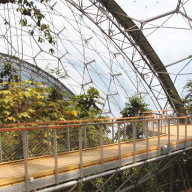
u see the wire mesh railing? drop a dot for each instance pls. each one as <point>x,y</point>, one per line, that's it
<point>63,146</point>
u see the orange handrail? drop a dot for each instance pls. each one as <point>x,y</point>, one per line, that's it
<point>75,121</point>
<point>146,112</point>
<point>79,125</point>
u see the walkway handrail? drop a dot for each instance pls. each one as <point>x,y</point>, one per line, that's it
<point>168,110</point>
<point>107,141</point>
<point>129,120</point>
<point>76,121</point>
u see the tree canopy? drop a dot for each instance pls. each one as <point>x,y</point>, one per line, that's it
<point>134,107</point>
<point>87,105</point>
<point>188,96</point>
<point>32,101</point>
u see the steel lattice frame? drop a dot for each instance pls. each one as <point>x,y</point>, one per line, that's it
<point>165,174</point>
<point>133,179</point>
<point>125,65</point>
<point>120,23</point>
<point>34,73</point>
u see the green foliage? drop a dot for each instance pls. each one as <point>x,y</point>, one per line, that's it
<point>32,13</point>
<point>188,97</point>
<point>6,75</point>
<point>88,107</point>
<point>32,101</point>
<point>87,104</point>
<point>134,107</point>
<point>186,101</point>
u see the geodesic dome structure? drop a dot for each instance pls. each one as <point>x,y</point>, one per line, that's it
<point>122,48</point>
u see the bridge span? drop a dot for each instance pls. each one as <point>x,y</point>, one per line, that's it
<point>51,155</point>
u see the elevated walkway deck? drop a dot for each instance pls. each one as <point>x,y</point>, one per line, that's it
<point>72,165</point>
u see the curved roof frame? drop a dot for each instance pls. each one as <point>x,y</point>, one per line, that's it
<point>120,23</point>
<point>36,70</point>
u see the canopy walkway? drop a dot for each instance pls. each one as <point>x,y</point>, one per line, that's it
<point>38,155</point>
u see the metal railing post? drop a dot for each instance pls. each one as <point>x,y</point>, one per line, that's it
<point>1,151</point>
<point>80,152</point>
<point>177,134</point>
<point>101,145</point>
<point>169,142</point>
<point>119,146</point>
<point>55,156</point>
<point>161,126</point>
<point>185,132</point>
<point>147,138</point>
<point>153,124</point>
<point>124,132</point>
<point>134,142</point>
<point>48,142</point>
<point>165,126</point>
<point>112,132</point>
<point>25,154</point>
<point>85,137</point>
<point>144,130</point>
<point>68,139</point>
<point>158,132</point>
<point>27,144</point>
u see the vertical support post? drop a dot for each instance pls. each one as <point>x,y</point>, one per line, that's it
<point>25,154</point>
<point>186,175</point>
<point>114,182</point>
<point>124,132</point>
<point>48,142</point>
<point>78,187</point>
<point>27,144</point>
<point>171,176</point>
<point>55,156</point>
<point>161,125</point>
<point>101,145</point>
<point>185,132</point>
<point>134,142</point>
<point>153,124</point>
<point>68,139</point>
<point>1,151</point>
<point>107,184</point>
<point>169,142</point>
<point>158,132</point>
<point>165,126</point>
<point>112,132</point>
<point>182,176</point>
<point>144,130</point>
<point>80,152</point>
<point>85,136</point>
<point>155,183</point>
<point>119,146</point>
<point>177,134</point>
<point>147,139</point>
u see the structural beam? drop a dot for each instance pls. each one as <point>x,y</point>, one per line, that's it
<point>154,61</point>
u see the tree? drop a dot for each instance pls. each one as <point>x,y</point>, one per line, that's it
<point>134,107</point>
<point>87,104</point>
<point>7,74</point>
<point>186,100</point>
<point>188,97</point>
<point>31,13</point>
<point>31,101</point>
<point>32,18</point>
